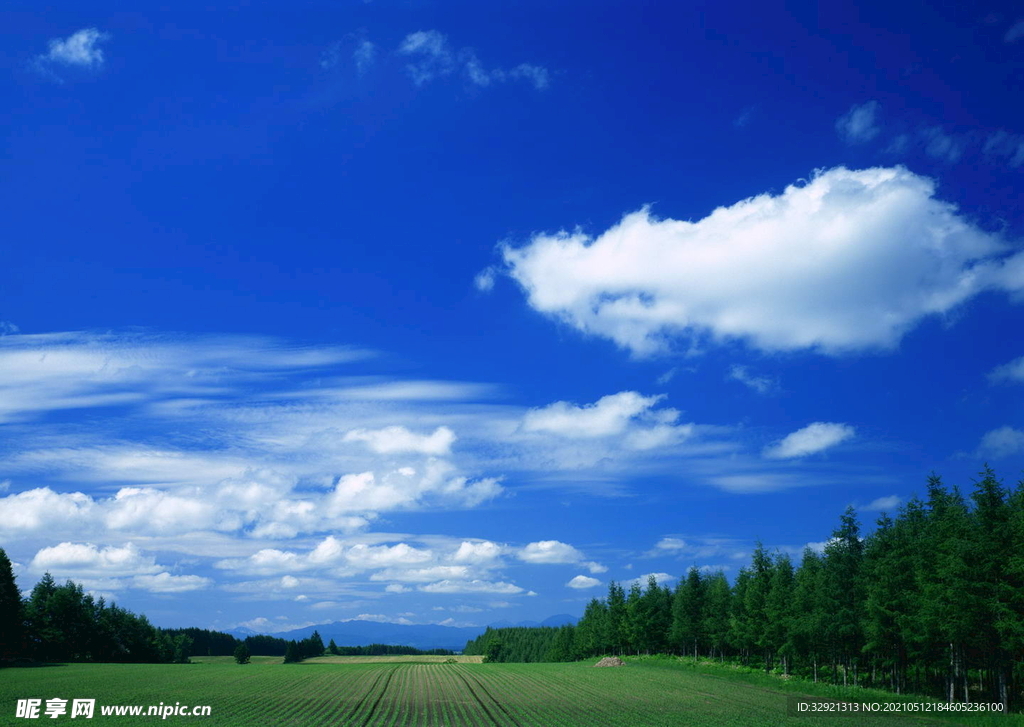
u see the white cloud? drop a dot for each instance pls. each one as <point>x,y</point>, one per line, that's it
<point>423,575</point>
<point>432,53</point>
<point>883,504</point>
<point>166,583</point>
<point>86,559</point>
<point>364,55</point>
<point>397,588</point>
<point>813,438</point>
<point>851,260</point>
<point>661,578</point>
<point>434,57</point>
<point>484,280</point>
<point>1012,371</point>
<point>860,123</point>
<point>42,509</point>
<point>583,582</point>
<point>1015,32</point>
<point>79,49</point>
<point>1002,442</point>
<point>474,586</point>
<point>7,328</point>
<point>397,439</point>
<point>594,567</point>
<point>537,75</point>
<point>609,415</point>
<point>550,551</point>
<point>626,414</point>
<point>477,552</point>
<point>380,618</point>
<point>760,384</point>
<point>671,544</point>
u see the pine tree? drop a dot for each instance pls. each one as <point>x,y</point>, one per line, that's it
<point>843,595</point>
<point>715,614</point>
<point>332,648</point>
<point>11,612</point>
<point>686,631</point>
<point>617,624</point>
<point>779,611</point>
<point>293,654</point>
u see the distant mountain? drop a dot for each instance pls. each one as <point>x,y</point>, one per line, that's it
<point>420,636</point>
<point>361,633</point>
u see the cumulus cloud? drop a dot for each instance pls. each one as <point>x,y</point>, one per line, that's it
<point>860,123</point>
<point>628,415</point>
<point>395,439</point>
<point>661,578</point>
<point>43,509</point>
<point>671,545</point>
<point>582,582</point>
<point>550,551</point>
<point>760,384</point>
<point>1002,442</point>
<point>609,415</point>
<point>813,438</point>
<point>477,552</point>
<point>86,559</point>
<point>850,260</point>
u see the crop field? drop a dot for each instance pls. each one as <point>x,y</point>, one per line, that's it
<point>407,693</point>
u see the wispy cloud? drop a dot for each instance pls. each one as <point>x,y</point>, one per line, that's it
<point>859,124</point>
<point>760,384</point>
<point>813,438</point>
<point>431,56</point>
<point>1015,32</point>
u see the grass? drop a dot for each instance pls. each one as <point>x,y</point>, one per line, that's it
<point>409,692</point>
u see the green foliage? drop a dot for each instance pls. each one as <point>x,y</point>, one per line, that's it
<point>293,653</point>
<point>11,612</point>
<point>242,655</point>
<point>931,602</point>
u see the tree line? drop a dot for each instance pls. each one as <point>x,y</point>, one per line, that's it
<point>61,623</point>
<point>931,602</point>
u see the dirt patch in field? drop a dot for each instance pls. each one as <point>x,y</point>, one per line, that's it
<point>611,661</point>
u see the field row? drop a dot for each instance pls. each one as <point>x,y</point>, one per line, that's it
<point>410,694</point>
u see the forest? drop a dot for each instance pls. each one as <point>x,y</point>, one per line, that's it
<point>931,602</point>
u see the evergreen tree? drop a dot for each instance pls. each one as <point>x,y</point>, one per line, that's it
<point>617,624</point>
<point>715,613</point>
<point>843,596</point>
<point>332,648</point>
<point>686,632</point>
<point>779,611</point>
<point>11,614</point>
<point>292,654</point>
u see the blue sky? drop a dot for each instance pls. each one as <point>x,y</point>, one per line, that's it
<point>432,312</point>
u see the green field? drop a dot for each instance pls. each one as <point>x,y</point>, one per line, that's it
<point>407,691</point>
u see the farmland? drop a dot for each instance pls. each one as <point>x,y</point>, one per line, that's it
<point>407,691</point>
